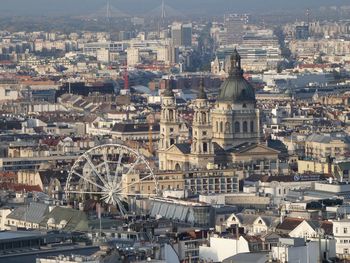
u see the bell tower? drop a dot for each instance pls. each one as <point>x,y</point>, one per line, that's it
<point>169,125</point>
<point>202,150</point>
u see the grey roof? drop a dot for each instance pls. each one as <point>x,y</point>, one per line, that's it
<point>5,235</point>
<point>134,127</point>
<point>76,220</point>
<point>236,88</point>
<point>322,138</point>
<point>248,219</point>
<point>185,148</point>
<point>34,213</point>
<point>247,258</point>
<point>218,149</point>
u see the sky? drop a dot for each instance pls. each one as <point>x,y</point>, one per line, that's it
<point>61,7</point>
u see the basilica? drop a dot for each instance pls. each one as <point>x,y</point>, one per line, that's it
<point>222,134</point>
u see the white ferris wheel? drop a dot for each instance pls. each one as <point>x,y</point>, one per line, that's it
<point>111,173</point>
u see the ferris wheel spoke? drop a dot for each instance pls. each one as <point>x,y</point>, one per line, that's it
<point>139,158</point>
<point>130,169</point>
<point>88,180</point>
<point>121,207</point>
<point>94,169</point>
<point>133,183</point>
<point>105,162</point>
<point>120,157</point>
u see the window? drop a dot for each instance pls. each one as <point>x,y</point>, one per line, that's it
<point>204,117</point>
<point>221,126</point>
<point>251,126</point>
<point>204,133</point>
<point>345,230</point>
<point>205,147</point>
<point>237,126</point>
<point>227,127</point>
<point>245,126</point>
<point>346,251</point>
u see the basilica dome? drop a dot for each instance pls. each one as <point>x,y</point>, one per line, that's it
<point>236,88</point>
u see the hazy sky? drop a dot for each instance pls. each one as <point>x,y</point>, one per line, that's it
<point>47,7</point>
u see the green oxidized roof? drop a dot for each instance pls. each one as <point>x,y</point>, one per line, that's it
<point>236,88</point>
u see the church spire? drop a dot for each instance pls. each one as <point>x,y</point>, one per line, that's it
<point>168,92</point>
<point>202,95</point>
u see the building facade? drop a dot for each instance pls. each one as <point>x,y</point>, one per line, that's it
<point>224,133</point>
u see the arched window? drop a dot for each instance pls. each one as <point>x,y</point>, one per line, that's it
<point>204,117</point>
<point>205,147</point>
<point>237,127</point>
<point>227,127</point>
<point>172,141</point>
<point>171,115</point>
<point>245,126</point>
<point>251,126</point>
<point>177,167</point>
<point>221,126</point>
<point>217,126</point>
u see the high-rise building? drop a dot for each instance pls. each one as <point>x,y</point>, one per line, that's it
<point>181,34</point>
<point>186,35</point>
<point>176,34</point>
<point>132,56</point>
<point>302,32</point>
<point>234,24</point>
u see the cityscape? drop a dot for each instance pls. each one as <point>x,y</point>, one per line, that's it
<point>172,131</point>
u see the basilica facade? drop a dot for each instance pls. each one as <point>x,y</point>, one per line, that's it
<point>222,134</point>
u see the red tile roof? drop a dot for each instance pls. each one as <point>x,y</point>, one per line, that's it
<point>20,187</point>
<point>289,223</point>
